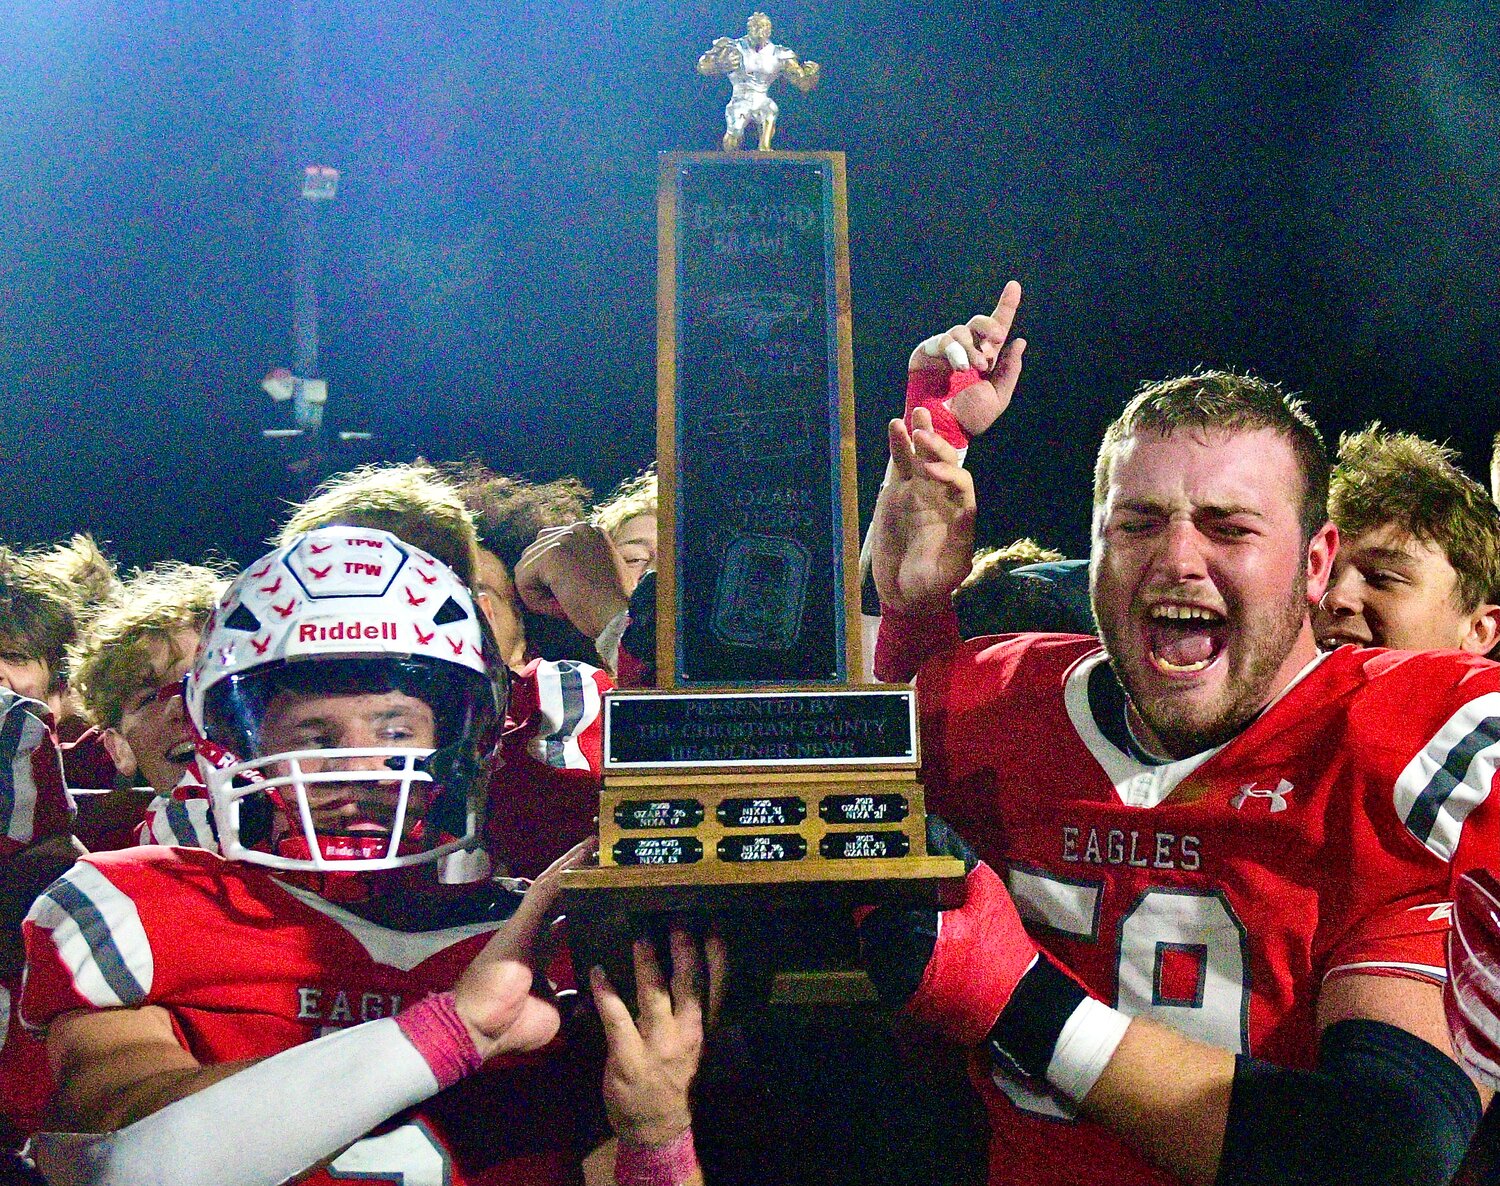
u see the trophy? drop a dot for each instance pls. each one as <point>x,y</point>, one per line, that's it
<point>758,783</point>
<point>752,64</point>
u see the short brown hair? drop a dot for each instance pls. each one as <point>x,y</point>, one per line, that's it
<point>632,497</point>
<point>1223,401</point>
<point>1384,477</point>
<point>414,502</point>
<point>510,512</point>
<point>37,616</point>
<point>112,657</point>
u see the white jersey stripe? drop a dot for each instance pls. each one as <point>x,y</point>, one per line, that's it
<point>16,779</point>
<point>568,704</point>
<point>182,823</point>
<point>1434,972</point>
<point>1451,776</point>
<point>22,734</point>
<point>1071,908</point>
<point>98,935</point>
<point>22,823</point>
<point>396,949</point>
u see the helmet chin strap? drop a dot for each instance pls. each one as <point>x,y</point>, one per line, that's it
<point>345,888</point>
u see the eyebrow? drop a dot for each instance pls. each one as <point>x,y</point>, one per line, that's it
<point>388,714</point>
<point>1143,507</point>
<point>1394,556</point>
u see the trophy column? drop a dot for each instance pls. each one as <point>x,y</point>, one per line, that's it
<point>755,422</point>
<point>756,784</point>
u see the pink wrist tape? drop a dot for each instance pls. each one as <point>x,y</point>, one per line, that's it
<point>434,1027</point>
<point>933,390</point>
<point>656,1165</point>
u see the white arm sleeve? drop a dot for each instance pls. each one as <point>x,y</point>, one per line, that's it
<point>259,1126</point>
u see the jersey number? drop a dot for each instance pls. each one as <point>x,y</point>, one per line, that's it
<point>406,1156</point>
<point>1182,959</point>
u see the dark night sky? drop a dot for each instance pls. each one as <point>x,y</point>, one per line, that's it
<point>1306,189</point>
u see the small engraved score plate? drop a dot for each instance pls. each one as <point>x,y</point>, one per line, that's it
<point>658,850</point>
<point>635,814</point>
<point>779,811</point>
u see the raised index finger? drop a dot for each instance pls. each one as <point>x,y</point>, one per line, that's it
<point>996,327</point>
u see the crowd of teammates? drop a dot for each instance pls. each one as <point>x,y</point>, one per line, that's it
<point>1212,851</point>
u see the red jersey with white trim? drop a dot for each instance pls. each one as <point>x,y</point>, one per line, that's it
<point>33,807</point>
<point>1214,894</point>
<point>33,800</point>
<point>544,796</point>
<point>248,966</point>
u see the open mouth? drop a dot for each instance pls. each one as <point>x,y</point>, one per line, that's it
<point>363,814</point>
<point>181,753</point>
<point>1184,639</point>
<point>354,817</point>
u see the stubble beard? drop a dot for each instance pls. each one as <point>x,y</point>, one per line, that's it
<point>1182,727</point>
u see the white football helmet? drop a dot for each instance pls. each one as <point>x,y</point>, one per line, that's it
<point>341,616</point>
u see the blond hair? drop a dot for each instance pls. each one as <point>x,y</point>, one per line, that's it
<point>632,497</point>
<point>414,502</point>
<point>81,568</point>
<point>112,659</point>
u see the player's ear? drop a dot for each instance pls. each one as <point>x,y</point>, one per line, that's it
<point>1484,630</point>
<point>1321,550</point>
<point>119,752</point>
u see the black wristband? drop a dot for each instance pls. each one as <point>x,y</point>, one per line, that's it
<point>1032,1021</point>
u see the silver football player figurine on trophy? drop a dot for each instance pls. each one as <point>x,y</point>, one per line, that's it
<point>753,63</point>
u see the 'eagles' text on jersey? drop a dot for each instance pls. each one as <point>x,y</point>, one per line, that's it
<point>1218,893</point>
<point>248,966</point>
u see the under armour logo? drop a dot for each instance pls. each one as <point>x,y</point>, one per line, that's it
<point>1276,794</point>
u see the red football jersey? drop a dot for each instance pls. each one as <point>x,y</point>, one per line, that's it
<point>544,796</point>
<point>1214,894</point>
<point>249,966</point>
<point>33,802</point>
<point>33,806</point>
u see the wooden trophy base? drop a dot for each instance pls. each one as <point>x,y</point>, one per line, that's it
<point>779,857</point>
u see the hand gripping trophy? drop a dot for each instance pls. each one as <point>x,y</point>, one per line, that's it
<point>753,63</point>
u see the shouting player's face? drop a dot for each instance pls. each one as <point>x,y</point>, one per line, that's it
<point>1201,580</point>
<point>384,720</point>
